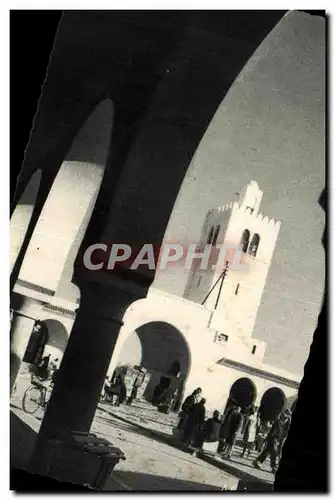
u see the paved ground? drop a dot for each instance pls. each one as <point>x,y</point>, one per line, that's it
<point>146,417</point>
<point>151,463</point>
<point>154,461</point>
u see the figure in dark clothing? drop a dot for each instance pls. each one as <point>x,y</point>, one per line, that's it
<point>137,384</point>
<point>286,422</point>
<point>123,391</point>
<point>222,446</point>
<point>166,401</point>
<point>42,370</point>
<point>118,391</point>
<point>191,400</point>
<point>271,446</point>
<point>194,422</point>
<point>211,430</point>
<point>156,397</point>
<point>234,425</point>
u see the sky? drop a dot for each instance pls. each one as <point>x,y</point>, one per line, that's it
<point>270,128</point>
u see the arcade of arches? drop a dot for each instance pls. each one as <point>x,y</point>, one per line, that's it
<point>243,393</point>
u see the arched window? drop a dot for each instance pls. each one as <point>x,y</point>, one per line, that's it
<point>245,240</point>
<point>216,234</point>
<point>210,236</point>
<point>254,245</point>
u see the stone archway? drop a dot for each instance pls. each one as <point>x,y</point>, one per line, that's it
<point>273,402</point>
<point>162,350</point>
<point>57,338</point>
<point>242,393</point>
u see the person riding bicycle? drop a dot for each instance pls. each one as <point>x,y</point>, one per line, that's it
<point>41,370</point>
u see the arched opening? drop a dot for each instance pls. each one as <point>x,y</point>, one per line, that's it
<point>253,247</point>
<point>210,235</point>
<point>161,349</point>
<point>242,393</point>
<point>21,216</point>
<point>272,404</point>
<point>216,234</point>
<point>244,243</point>
<point>48,337</point>
<point>57,338</point>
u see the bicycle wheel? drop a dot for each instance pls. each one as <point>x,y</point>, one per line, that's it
<point>31,400</point>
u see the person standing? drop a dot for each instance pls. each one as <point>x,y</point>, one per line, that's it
<point>53,369</point>
<point>137,384</point>
<point>191,400</point>
<point>194,421</point>
<point>211,430</point>
<point>234,425</point>
<point>223,434</point>
<point>271,446</point>
<point>286,422</point>
<point>249,434</point>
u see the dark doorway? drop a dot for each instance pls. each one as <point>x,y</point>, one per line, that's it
<point>272,404</point>
<point>243,393</point>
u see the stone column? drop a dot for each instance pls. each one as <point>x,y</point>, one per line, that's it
<point>21,329</point>
<point>84,365</point>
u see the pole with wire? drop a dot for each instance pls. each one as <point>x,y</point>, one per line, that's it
<point>220,279</point>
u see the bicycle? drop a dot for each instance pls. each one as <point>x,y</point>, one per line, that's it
<point>35,397</point>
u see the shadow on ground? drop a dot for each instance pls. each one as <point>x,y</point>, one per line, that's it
<point>21,442</point>
<point>247,481</point>
<point>148,482</point>
<point>232,469</point>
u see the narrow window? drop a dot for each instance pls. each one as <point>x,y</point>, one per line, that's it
<point>254,349</point>
<point>254,245</point>
<point>216,234</point>
<point>210,236</point>
<point>244,243</point>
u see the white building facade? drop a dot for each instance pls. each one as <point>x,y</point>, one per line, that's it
<point>211,343</point>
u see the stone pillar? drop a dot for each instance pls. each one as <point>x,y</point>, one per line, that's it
<point>84,365</point>
<point>21,329</point>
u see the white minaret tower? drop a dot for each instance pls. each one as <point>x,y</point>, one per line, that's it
<point>236,300</point>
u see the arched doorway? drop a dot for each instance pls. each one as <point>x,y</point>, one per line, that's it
<point>242,393</point>
<point>272,404</point>
<point>161,349</point>
<point>57,338</point>
<point>48,337</point>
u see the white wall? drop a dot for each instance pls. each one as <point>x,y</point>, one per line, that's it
<point>69,200</point>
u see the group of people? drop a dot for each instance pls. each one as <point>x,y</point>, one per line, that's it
<point>274,441</point>
<point>115,389</point>
<point>265,438</point>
